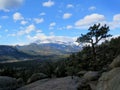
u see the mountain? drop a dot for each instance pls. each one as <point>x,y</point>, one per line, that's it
<point>51,48</point>
<point>37,50</point>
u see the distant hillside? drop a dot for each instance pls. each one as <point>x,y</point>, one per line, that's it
<point>11,53</point>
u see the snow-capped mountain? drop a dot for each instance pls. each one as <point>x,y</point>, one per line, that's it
<point>50,48</point>
<point>56,41</point>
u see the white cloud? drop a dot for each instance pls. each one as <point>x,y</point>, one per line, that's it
<point>38,31</point>
<point>51,38</point>
<point>12,35</point>
<point>17,16</point>
<point>27,30</point>
<point>89,20</point>
<point>69,26</point>
<point>51,34</point>
<point>67,15</point>
<point>6,5</point>
<point>92,8</point>
<point>38,36</point>
<point>41,37</point>
<point>24,22</point>
<point>52,24</point>
<point>48,3</point>
<point>38,20</point>
<point>61,28</point>
<point>70,6</point>
<point>116,17</point>
<point>42,14</point>
<point>116,22</point>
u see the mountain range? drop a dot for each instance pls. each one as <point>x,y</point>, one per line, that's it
<point>37,49</point>
<point>52,48</point>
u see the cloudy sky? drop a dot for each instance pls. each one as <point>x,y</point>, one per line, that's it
<point>25,21</point>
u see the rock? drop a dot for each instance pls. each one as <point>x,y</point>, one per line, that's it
<point>115,63</point>
<point>86,85</point>
<point>7,83</point>
<point>93,84</point>
<point>64,83</point>
<point>20,82</point>
<point>88,81</point>
<point>91,75</point>
<point>81,73</point>
<point>109,80</point>
<point>36,76</point>
<point>82,85</point>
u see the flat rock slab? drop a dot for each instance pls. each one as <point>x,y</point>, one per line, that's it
<point>66,83</point>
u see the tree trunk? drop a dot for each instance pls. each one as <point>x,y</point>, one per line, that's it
<point>93,51</point>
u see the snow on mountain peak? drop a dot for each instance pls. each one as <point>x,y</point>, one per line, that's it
<point>57,42</point>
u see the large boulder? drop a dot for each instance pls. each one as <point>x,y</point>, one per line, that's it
<point>109,80</point>
<point>64,83</point>
<point>86,85</point>
<point>93,85</point>
<point>91,75</point>
<point>83,85</point>
<point>81,73</point>
<point>36,76</point>
<point>88,81</point>
<point>115,63</point>
<point>7,83</point>
<point>20,82</point>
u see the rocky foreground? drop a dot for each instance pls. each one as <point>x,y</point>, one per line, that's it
<point>66,83</point>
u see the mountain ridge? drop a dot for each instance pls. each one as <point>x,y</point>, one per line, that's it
<point>37,51</point>
<point>55,48</point>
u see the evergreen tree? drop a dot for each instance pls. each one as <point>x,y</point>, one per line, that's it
<point>96,33</point>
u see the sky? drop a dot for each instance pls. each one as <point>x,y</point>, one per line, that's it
<point>25,21</point>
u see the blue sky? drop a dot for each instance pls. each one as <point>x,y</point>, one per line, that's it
<point>25,21</point>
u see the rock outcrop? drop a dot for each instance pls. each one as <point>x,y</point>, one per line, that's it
<point>36,76</point>
<point>81,73</point>
<point>110,80</point>
<point>8,83</point>
<point>91,75</point>
<point>115,63</point>
<point>66,83</point>
<point>20,82</point>
<point>89,81</point>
